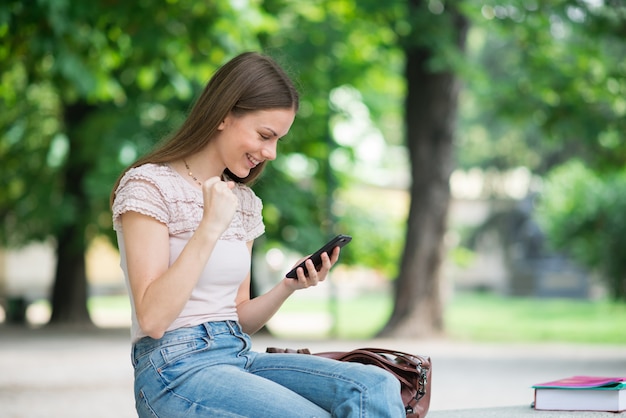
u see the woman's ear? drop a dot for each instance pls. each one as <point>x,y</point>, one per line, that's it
<point>225,122</point>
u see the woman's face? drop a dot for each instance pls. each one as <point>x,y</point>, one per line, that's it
<point>243,142</point>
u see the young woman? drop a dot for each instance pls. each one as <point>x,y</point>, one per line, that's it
<point>186,219</point>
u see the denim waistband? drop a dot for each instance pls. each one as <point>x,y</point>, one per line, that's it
<point>207,329</point>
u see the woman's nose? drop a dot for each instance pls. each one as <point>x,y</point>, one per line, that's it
<point>269,150</point>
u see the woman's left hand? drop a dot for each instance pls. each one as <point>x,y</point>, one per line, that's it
<point>254,313</point>
<point>314,277</point>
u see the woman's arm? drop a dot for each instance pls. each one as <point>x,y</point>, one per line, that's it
<point>254,313</point>
<point>160,292</point>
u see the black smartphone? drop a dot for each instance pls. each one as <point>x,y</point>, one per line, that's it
<point>338,241</point>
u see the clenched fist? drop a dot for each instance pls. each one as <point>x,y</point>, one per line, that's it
<point>220,203</point>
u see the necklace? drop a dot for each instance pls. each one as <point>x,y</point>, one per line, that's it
<point>191,174</point>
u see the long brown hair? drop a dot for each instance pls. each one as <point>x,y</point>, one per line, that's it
<point>249,82</point>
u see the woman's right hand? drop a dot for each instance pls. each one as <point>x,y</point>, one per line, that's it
<point>220,203</point>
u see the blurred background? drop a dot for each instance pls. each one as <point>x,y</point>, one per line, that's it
<point>474,150</point>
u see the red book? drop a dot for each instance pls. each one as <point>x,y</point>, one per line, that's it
<point>582,393</point>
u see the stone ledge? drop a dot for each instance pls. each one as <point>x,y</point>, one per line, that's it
<point>519,411</point>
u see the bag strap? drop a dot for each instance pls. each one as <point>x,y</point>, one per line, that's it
<point>419,363</point>
<point>374,358</point>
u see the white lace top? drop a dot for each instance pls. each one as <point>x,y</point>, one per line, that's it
<point>160,192</point>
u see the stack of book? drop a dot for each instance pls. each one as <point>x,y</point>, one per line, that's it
<point>582,393</point>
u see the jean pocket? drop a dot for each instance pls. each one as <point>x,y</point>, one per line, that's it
<point>177,350</point>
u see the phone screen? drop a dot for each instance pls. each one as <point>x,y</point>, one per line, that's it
<point>338,241</point>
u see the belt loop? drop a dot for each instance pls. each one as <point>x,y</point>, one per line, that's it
<point>207,328</point>
<point>234,327</point>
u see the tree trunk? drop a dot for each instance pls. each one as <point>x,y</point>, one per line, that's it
<point>69,296</point>
<point>70,293</point>
<point>431,109</point>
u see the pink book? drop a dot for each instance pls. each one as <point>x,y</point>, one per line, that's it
<point>582,393</point>
<point>584,382</point>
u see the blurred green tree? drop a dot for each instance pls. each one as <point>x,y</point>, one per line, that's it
<point>433,41</point>
<point>582,210</point>
<point>545,83</point>
<point>546,86</point>
<point>390,51</point>
<point>85,87</point>
<point>112,76</point>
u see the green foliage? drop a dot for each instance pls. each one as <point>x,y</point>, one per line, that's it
<point>583,213</point>
<point>546,83</point>
<point>372,217</point>
<point>80,83</point>
<point>293,215</point>
<point>333,44</point>
<point>86,87</point>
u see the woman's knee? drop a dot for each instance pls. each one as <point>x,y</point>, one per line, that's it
<point>388,382</point>
<point>384,394</point>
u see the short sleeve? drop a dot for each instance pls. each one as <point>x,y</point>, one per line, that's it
<point>136,194</point>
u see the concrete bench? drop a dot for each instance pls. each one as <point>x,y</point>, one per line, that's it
<point>519,411</point>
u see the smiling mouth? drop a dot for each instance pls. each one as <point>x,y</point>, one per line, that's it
<point>253,160</point>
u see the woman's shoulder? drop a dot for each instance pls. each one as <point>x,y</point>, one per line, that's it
<point>159,191</point>
<point>159,180</point>
<point>160,176</point>
<point>150,172</point>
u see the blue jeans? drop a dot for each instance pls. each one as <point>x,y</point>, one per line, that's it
<point>209,371</point>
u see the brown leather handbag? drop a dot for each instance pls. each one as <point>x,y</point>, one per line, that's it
<point>413,372</point>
